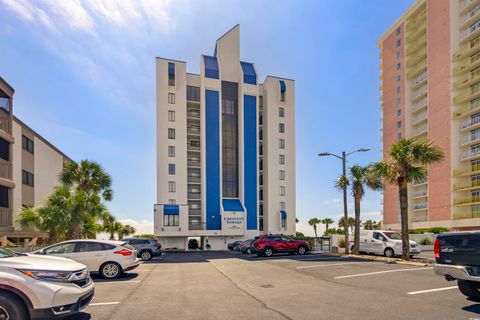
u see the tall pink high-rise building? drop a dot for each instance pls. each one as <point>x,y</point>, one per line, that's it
<point>430,88</point>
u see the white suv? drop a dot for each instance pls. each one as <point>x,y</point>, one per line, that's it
<point>39,287</point>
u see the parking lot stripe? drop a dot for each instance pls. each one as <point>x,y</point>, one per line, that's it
<point>104,303</point>
<point>328,265</point>
<point>117,282</point>
<point>380,272</point>
<point>432,290</point>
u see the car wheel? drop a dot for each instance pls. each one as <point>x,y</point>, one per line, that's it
<point>470,289</point>
<point>110,270</point>
<point>268,252</point>
<point>249,251</point>
<point>146,255</point>
<point>11,307</point>
<point>389,253</point>
<point>301,250</point>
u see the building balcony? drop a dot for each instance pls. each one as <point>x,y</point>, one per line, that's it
<point>193,130</point>
<point>467,65</point>
<point>469,155</point>
<point>467,201</point>
<point>467,80</point>
<point>470,185</point>
<point>5,217</point>
<point>419,68</point>
<point>419,206</point>
<point>420,130</point>
<point>418,57</point>
<point>420,194</point>
<point>416,20</point>
<point>421,28</point>
<point>470,139</point>
<point>5,169</point>
<point>194,196</point>
<point>419,118</point>
<point>467,171</point>
<point>194,212</point>
<point>470,124</point>
<point>467,49</point>
<point>469,18</point>
<point>193,114</point>
<point>194,179</point>
<point>421,183</point>
<point>197,226</point>
<point>419,94</point>
<point>419,105</point>
<point>420,216</point>
<point>466,111</point>
<point>470,33</point>
<point>467,5</point>
<point>420,80</point>
<point>417,45</point>
<point>468,214</point>
<point>466,95</point>
<point>193,148</point>
<point>5,122</point>
<point>193,164</point>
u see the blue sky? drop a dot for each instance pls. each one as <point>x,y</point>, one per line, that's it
<point>85,79</point>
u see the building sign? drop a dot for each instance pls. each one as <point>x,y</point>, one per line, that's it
<point>233,222</point>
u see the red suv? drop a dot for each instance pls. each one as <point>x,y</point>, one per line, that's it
<point>268,245</point>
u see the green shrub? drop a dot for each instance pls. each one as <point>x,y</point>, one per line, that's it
<point>426,242</point>
<point>341,243</point>
<point>145,235</point>
<point>438,230</point>
<point>333,231</point>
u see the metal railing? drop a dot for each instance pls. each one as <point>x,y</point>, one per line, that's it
<point>419,105</point>
<point>470,184</point>
<point>193,130</point>
<point>472,13</point>
<point>467,170</point>
<point>5,217</point>
<point>197,226</point>
<point>421,129</point>
<point>464,34</point>
<point>469,153</point>
<point>470,138</point>
<point>469,123</point>
<point>193,114</point>
<point>466,215</point>
<point>420,117</point>
<point>465,4</point>
<point>468,200</point>
<point>195,196</point>
<point>193,163</point>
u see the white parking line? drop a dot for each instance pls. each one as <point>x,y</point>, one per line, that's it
<point>328,265</point>
<point>380,272</point>
<point>432,290</point>
<point>104,303</point>
<point>117,282</point>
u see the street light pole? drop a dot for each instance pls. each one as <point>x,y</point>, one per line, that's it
<point>344,187</point>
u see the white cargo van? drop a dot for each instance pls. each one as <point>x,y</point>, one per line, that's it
<point>383,242</point>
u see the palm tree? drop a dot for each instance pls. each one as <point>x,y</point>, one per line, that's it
<point>368,225</point>
<point>406,163</point>
<point>125,230</point>
<point>327,222</point>
<point>361,176</point>
<point>91,184</point>
<point>313,222</point>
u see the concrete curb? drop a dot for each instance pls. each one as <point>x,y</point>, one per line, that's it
<point>390,260</point>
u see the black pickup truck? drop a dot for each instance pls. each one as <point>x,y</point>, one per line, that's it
<point>457,256</point>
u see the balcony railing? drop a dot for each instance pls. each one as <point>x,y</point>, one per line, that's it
<point>468,17</point>
<point>420,117</point>
<point>422,77</point>
<point>469,123</point>
<point>193,163</point>
<point>421,182</point>
<point>197,226</point>
<point>193,179</point>
<point>194,195</point>
<point>420,216</point>
<point>194,212</point>
<point>420,206</point>
<point>5,217</point>
<point>193,130</point>
<point>419,56</point>
<point>466,201</point>
<point>465,4</point>
<point>417,45</point>
<point>193,114</point>
<point>467,170</point>
<point>470,214</point>
<point>469,154</point>
<point>467,33</point>
<point>420,194</point>
<point>419,93</point>
<point>466,186</point>
<point>5,122</point>
<point>420,130</point>
<point>414,34</point>
<point>5,169</point>
<point>414,23</point>
<point>467,49</point>
<point>470,138</point>
<point>419,105</point>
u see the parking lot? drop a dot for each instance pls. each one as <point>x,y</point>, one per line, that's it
<point>229,285</point>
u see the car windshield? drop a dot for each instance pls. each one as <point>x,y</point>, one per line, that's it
<point>393,235</point>
<point>5,253</point>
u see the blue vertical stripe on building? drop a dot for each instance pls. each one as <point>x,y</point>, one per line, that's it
<point>212,131</point>
<point>250,159</point>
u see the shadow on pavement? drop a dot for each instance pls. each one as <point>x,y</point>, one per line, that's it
<point>79,316</point>
<point>130,275</point>
<point>474,308</point>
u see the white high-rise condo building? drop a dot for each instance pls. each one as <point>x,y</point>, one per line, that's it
<point>225,150</point>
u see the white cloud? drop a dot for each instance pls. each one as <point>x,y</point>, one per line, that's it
<point>21,8</point>
<point>141,226</point>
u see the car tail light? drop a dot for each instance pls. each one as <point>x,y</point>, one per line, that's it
<point>436,249</point>
<point>158,245</point>
<point>124,252</point>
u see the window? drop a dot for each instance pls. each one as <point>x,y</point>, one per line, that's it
<point>193,93</point>
<point>399,124</point>
<point>282,159</point>
<point>171,133</point>
<point>284,222</point>
<point>399,135</point>
<point>281,143</point>
<point>398,54</point>
<point>61,248</point>
<point>282,174</point>
<point>27,144</point>
<point>90,246</point>
<point>171,98</point>
<point>171,151</point>
<point>230,139</point>
<point>281,112</point>
<point>281,127</point>
<point>171,168</point>
<point>4,149</point>
<point>397,31</point>
<point>398,78</point>
<point>282,190</point>
<point>282,206</point>
<point>170,220</point>
<point>195,143</point>
<point>398,89</point>
<point>171,74</point>
<point>4,197</point>
<point>397,43</point>
<point>399,112</point>
<point>171,116</point>
<point>398,66</point>
<point>171,186</point>
<point>27,178</point>
<point>282,96</point>
<point>138,241</point>
<point>398,101</point>
<point>171,201</point>
<point>194,206</point>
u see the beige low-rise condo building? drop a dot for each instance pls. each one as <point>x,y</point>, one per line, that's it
<point>29,170</point>
<point>225,150</point>
<point>430,88</point>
